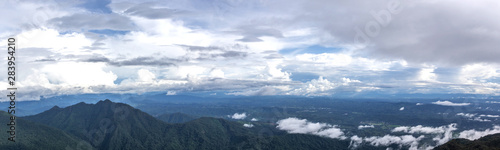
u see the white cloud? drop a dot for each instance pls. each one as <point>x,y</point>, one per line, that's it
<point>402,108</point>
<point>171,93</point>
<point>78,74</point>
<point>475,117</point>
<point>442,134</point>
<point>275,29</point>
<point>466,115</point>
<point>315,87</point>
<point>365,126</point>
<point>146,76</point>
<point>478,73</point>
<point>400,140</point>
<point>302,126</point>
<point>474,134</point>
<point>254,119</point>
<point>448,103</point>
<point>248,125</point>
<point>424,130</point>
<point>239,116</point>
<point>427,74</point>
<point>491,116</point>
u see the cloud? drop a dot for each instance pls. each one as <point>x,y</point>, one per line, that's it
<point>248,125</point>
<point>254,119</point>
<point>150,11</point>
<point>475,117</point>
<point>302,126</point>
<point>76,22</point>
<point>441,135</point>
<point>434,41</point>
<point>141,61</point>
<point>474,134</point>
<point>239,116</point>
<point>365,126</point>
<point>171,93</point>
<point>402,108</point>
<point>226,46</point>
<point>444,133</point>
<point>387,140</point>
<point>145,75</point>
<point>448,103</point>
<point>315,87</point>
<point>423,130</point>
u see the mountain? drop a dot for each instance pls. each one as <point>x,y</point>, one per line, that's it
<point>31,135</point>
<point>175,118</point>
<point>490,142</point>
<point>108,125</point>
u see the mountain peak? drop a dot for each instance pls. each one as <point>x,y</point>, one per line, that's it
<point>55,107</point>
<point>106,101</point>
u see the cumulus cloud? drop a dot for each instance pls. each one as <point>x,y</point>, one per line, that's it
<point>448,103</point>
<point>440,135</point>
<point>365,126</point>
<point>254,119</point>
<point>422,129</point>
<point>407,140</point>
<point>302,126</point>
<point>476,117</point>
<point>443,133</point>
<point>315,87</point>
<point>248,125</point>
<point>224,46</point>
<point>239,116</point>
<point>474,134</point>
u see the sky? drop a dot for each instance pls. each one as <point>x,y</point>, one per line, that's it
<point>254,47</point>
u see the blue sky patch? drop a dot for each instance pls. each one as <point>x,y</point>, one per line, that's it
<point>98,6</point>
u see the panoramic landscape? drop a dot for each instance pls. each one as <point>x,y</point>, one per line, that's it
<point>234,74</point>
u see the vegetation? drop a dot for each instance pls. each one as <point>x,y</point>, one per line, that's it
<point>490,142</point>
<point>31,135</point>
<point>108,125</point>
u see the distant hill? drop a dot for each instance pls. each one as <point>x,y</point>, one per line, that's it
<point>490,142</point>
<point>32,135</point>
<point>108,125</point>
<point>175,118</point>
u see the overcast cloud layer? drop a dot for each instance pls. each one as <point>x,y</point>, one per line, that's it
<point>306,48</point>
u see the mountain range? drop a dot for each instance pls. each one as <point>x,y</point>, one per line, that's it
<point>109,125</point>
